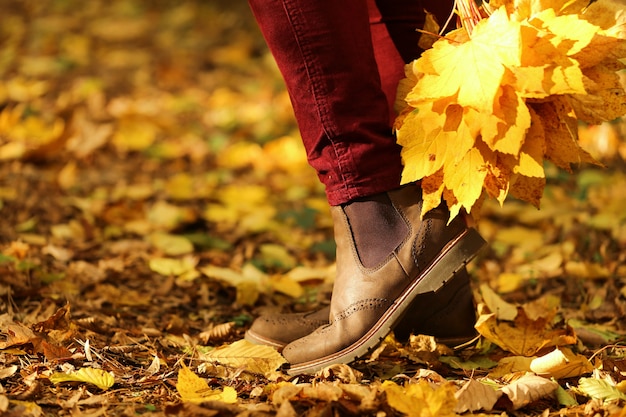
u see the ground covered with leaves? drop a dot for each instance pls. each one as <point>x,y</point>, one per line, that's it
<point>155,198</point>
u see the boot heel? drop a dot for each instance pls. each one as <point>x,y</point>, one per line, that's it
<point>450,261</point>
<point>449,314</point>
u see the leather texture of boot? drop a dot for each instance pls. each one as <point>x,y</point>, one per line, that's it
<point>448,314</point>
<point>367,303</point>
<point>278,330</point>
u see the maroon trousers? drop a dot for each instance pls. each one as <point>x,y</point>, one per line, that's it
<point>341,61</point>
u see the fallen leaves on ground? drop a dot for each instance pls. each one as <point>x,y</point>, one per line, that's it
<point>194,389</point>
<point>97,377</point>
<point>155,198</point>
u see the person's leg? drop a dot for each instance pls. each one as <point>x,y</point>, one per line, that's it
<point>386,254</point>
<point>341,62</point>
<point>325,53</point>
<point>393,25</point>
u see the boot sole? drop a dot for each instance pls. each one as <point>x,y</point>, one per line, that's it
<point>452,258</point>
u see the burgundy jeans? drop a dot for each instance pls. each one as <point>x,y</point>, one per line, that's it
<point>341,61</point>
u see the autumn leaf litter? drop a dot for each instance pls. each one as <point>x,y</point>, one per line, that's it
<point>155,198</point>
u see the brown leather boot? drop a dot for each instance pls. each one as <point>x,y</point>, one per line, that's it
<point>369,302</point>
<point>448,314</point>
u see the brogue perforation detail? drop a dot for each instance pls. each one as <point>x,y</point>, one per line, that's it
<point>362,305</point>
<point>418,243</point>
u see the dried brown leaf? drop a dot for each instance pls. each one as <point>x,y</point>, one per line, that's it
<point>475,396</point>
<point>258,359</point>
<point>527,389</point>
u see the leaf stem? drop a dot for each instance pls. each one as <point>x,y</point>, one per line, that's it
<point>469,14</point>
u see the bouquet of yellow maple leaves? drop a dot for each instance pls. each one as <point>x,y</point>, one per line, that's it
<point>481,110</point>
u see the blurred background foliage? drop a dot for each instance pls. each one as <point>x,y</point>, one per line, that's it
<point>152,175</point>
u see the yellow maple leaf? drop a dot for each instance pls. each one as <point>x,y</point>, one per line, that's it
<point>530,163</point>
<point>466,129</point>
<point>529,189</point>
<point>421,399</point>
<point>528,81</point>
<point>502,309</point>
<point>433,136</point>
<point>609,15</point>
<point>194,389</point>
<point>514,121</point>
<point>561,134</point>
<point>524,175</point>
<point>29,135</point>
<point>523,336</point>
<point>432,191</point>
<point>172,266</point>
<point>405,86</point>
<point>170,244</point>
<point>524,9</point>
<point>430,29</point>
<point>548,47</point>
<point>465,179</point>
<point>286,153</point>
<point>495,43</point>
<point>510,365</point>
<point>545,68</point>
<point>100,378</point>
<point>498,178</point>
<point>286,285</point>
<point>602,48</point>
<point>423,149</point>
<point>566,78</point>
<point>605,99</point>
<point>568,31</point>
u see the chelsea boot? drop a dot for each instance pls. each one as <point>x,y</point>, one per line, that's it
<point>448,314</point>
<point>368,302</point>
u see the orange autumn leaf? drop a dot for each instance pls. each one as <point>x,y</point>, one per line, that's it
<point>529,189</point>
<point>523,335</point>
<point>561,134</point>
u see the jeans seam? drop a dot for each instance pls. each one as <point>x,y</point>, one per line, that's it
<point>318,90</point>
